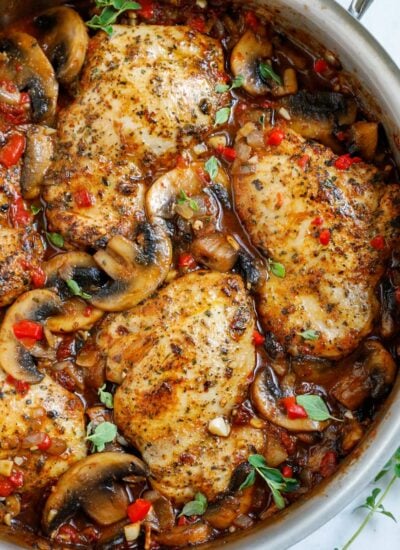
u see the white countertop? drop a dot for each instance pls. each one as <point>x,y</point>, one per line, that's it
<point>383,21</point>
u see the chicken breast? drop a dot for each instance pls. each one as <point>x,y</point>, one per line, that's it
<point>146,92</point>
<point>332,231</point>
<point>46,408</point>
<point>21,246</point>
<point>185,357</point>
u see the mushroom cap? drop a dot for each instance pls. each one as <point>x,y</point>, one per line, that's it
<point>25,63</point>
<point>137,269</point>
<point>74,316</point>
<point>245,59</point>
<point>80,483</point>
<point>15,358</point>
<point>37,158</point>
<point>64,40</point>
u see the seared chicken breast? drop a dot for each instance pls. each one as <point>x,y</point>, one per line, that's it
<point>43,408</point>
<point>331,229</point>
<point>185,359</point>
<point>21,246</point>
<point>145,92</point>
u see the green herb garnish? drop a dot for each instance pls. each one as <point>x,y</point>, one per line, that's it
<point>106,397</point>
<point>35,209</point>
<point>267,72</point>
<point>112,9</point>
<point>56,239</point>
<point>76,289</point>
<point>195,507</point>
<point>309,334</point>
<point>277,269</point>
<point>183,199</point>
<point>237,82</point>
<point>222,115</point>
<point>211,167</point>
<point>102,434</point>
<point>315,407</point>
<point>273,477</point>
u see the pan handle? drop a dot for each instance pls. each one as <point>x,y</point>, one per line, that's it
<point>357,8</point>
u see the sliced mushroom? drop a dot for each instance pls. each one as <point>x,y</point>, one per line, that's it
<point>15,358</point>
<point>245,60</point>
<point>227,509</point>
<point>364,136</point>
<point>94,477</point>
<point>75,315</point>
<point>37,158</point>
<point>369,375</point>
<point>215,252</point>
<point>138,267</point>
<point>163,511</point>
<point>64,40</point>
<point>184,535</point>
<point>265,393</point>
<point>78,266</point>
<point>24,63</point>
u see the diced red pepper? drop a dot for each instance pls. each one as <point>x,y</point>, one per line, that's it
<point>325,237</point>
<point>197,24</point>
<point>345,161</point>
<point>21,386</point>
<point>328,464</point>
<point>318,221</point>
<point>378,242</point>
<point>227,152</point>
<point>147,9</point>
<point>287,471</point>
<point>275,137</point>
<point>320,66</point>
<point>258,339</point>
<point>28,329</point>
<point>303,161</point>
<point>252,20</point>
<point>138,510</point>
<point>19,214</point>
<point>68,533</point>
<point>341,136</point>
<point>88,311</point>
<point>66,348</point>
<point>83,198</point>
<point>13,150</point>
<point>17,478</point>
<point>293,409</point>
<point>186,260</point>
<point>6,487</point>
<point>38,277</point>
<point>183,521</point>
<point>45,443</point>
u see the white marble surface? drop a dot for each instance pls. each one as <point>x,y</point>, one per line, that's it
<point>383,21</point>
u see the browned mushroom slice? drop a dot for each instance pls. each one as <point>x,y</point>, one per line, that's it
<point>64,40</point>
<point>93,477</point>
<point>25,64</point>
<point>75,315</point>
<point>245,61</point>
<point>364,136</point>
<point>184,535</point>
<point>137,268</point>
<point>37,158</point>
<point>265,394</point>
<point>15,359</point>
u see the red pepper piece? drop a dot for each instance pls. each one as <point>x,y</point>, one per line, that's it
<point>227,152</point>
<point>45,443</point>
<point>320,66</point>
<point>19,214</point>
<point>68,533</point>
<point>17,478</point>
<point>303,161</point>
<point>318,221</point>
<point>287,471</point>
<point>197,24</point>
<point>138,510</point>
<point>6,487</point>
<point>325,237</point>
<point>21,386</point>
<point>88,311</point>
<point>38,277</point>
<point>83,198</point>
<point>258,339</point>
<point>186,260</point>
<point>252,20</point>
<point>345,161</point>
<point>147,9</point>
<point>328,464</point>
<point>293,410</point>
<point>378,242</point>
<point>275,137</point>
<point>28,329</point>
<point>13,150</point>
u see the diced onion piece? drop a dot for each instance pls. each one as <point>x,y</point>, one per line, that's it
<point>219,426</point>
<point>256,139</point>
<point>132,531</point>
<point>6,467</point>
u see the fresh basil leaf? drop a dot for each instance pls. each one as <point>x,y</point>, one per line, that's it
<point>183,199</point>
<point>381,474</point>
<point>56,239</point>
<point>388,514</point>
<point>35,209</point>
<point>112,9</point>
<point>309,334</point>
<point>315,407</point>
<point>257,461</point>
<point>278,498</point>
<point>249,481</point>
<point>103,433</point>
<point>106,397</point>
<point>222,115</point>
<point>195,507</point>
<point>397,470</point>
<point>222,88</point>
<point>76,289</point>
<point>237,82</point>
<point>277,269</point>
<point>267,73</point>
<point>211,167</point>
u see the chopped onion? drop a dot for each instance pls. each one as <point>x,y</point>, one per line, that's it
<point>132,531</point>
